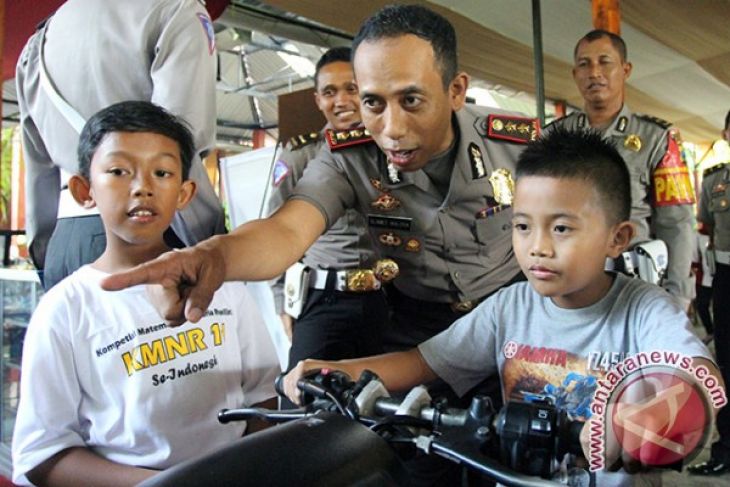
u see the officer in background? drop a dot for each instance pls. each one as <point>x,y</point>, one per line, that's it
<point>714,214</point>
<point>336,321</point>
<point>89,55</point>
<point>661,191</point>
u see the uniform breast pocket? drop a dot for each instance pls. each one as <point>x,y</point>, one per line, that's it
<point>494,231</point>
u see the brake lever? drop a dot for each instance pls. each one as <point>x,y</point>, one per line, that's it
<point>271,415</point>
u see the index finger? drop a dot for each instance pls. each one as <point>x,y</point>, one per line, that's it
<point>152,272</point>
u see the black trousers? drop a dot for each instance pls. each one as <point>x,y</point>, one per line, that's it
<point>75,242</point>
<point>336,325</point>
<point>721,310</point>
<point>702,306</point>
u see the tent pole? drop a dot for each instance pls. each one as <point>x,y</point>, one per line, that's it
<point>539,67</point>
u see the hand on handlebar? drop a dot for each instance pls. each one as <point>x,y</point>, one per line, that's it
<point>182,282</point>
<point>290,388</point>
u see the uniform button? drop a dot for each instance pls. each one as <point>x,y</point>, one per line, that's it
<point>456,275</point>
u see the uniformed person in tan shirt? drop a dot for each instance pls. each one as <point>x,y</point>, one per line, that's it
<point>335,322</point>
<point>95,54</point>
<point>661,190</point>
<point>714,215</point>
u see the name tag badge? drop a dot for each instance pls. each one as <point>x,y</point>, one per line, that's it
<point>390,222</point>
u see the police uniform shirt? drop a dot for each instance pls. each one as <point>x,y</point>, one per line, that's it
<point>347,244</point>
<point>661,192</point>
<point>99,53</point>
<point>715,204</point>
<point>451,248</point>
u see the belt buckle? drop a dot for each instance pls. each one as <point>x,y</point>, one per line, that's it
<point>463,306</point>
<point>361,280</point>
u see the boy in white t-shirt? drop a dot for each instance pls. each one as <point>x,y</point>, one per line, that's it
<point>562,333</point>
<point>109,393</point>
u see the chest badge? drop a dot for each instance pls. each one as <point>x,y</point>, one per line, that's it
<point>503,186</point>
<point>385,202</point>
<point>386,270</point>
<point>412,245</point>
<point>390,239</point>
<point>633,142</point>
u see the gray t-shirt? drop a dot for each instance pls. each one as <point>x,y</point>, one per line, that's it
<point>542,350</point>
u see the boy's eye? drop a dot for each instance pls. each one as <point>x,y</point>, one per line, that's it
<point>561,229</point>
<point>116,171</point>
<point>520,227</point>
<point>161,173</point>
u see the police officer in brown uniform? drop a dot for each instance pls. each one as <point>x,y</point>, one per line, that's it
<point>714,214</point>
<point>661,190</point>
<point>336,321</point>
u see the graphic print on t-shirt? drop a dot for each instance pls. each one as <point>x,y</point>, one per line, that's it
<point>155,345</point>
<point>531,373</point>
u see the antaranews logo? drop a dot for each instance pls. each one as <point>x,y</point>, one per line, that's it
<point>655,407</point>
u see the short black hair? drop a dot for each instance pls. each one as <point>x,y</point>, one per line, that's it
<point>616,40</point>
<point>335,55</point>
<point>397,20</point>
<point>586,155</point>
<point>134,116</point>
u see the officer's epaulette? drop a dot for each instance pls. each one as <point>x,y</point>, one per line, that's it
<point>715,168</point>
<point>299,141</point>
<point>661,122</point>
<point>515,129</point>
<point>339,139</point>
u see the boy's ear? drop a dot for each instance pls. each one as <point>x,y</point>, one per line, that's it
<point>621,237</point>
<point>81,191</point>
<point>187,191</point>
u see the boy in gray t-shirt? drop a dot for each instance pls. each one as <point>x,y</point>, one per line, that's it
<point>561,334</point>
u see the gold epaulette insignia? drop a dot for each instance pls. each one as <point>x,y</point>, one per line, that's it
<point>300,141</point>
<point>339,139</point>
<point>715,168</point>
<point>514,129</point>
<point>662,123</point>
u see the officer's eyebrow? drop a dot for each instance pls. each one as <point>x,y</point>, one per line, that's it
<point>406,90</point>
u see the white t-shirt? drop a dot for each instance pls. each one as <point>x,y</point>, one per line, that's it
<point>101,370</point>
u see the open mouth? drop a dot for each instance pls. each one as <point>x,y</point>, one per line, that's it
<point>141,213</point>
<point>401,157</point>
<point>345,113</point>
